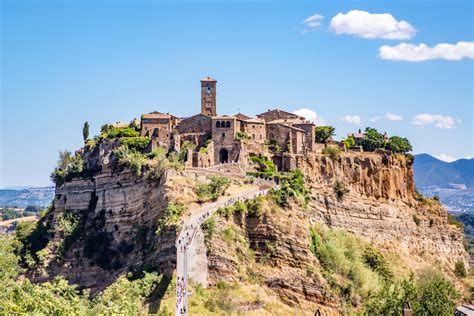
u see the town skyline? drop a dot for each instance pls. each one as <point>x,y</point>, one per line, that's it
<point>317,61</point>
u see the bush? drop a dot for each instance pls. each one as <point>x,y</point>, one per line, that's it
<point>138,143</point>
<point>173,213</point>
<point>241,135</point>
<point>265,166</point>
<point>416,219</point>
<point>358,268</point>
<point>340,190</point>
<point>67,165</point>
<point>112,132</point>
<point>208,227</point>
<point>432,294</point>
<point>460,269</point>
<point>349,142</point>
<point>211,191</point>
<point>254,206</point>
<point>332,152</point>
<point>454,221</point>
<point>292,184</point>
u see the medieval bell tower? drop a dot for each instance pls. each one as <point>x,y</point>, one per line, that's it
<point>208,96</point>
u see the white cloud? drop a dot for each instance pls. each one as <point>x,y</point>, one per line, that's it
<point>393,117</point>
<point>422,52</point>
<point>313,22</point>
<point>371,25</point>
<point>353,119</point>
<point>445,157</point>
<point>375,119</point>
<point>438,120</point>
<point>311,116</point>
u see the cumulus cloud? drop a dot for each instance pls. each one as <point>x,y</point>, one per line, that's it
<point>439,121</point>
<point>393,117</point>
<point>313,22</point>
<point>445,157</point>
<point>353,119</point>
<point>371,25</point>
<point>422,52</point>
<point>311,116</point>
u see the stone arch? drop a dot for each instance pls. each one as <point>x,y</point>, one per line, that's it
<point>223,156</point>
<point>218,124</point>
<point>227,124</point>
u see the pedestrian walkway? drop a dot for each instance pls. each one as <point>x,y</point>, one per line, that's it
<point>190,227</point>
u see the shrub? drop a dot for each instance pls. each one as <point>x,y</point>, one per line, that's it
<point>332,152</point>
<point>211,191</point>
<point>85,131</point>
<point>138,143</point>
<point>173,213</point>
<point>208,227</point>
<point>292,184</point>
<point>241,135</point>
<point>460,269</point>
<point>183,152</point>
<point>432,294</point>
<point>416,219</point>
<point>254,206</point>
<point>265,166</point>
<point>454,221</point>
<point>67,165</point>
<point>359,270</point>
<point>340,190</point>
<point>112,132</point>
<point>349,142</point>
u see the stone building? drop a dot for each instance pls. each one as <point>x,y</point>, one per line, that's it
<point>221,139</point>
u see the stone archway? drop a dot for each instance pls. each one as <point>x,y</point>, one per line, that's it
<point>223,156</point>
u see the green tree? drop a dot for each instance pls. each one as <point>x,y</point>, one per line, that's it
<point>399,145</point>
<point>372,140</point>
<point>349,142</point>
<point>85,131</point>
<point>324,134</point>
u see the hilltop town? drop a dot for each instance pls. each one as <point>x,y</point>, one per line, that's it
<point>216,138</point>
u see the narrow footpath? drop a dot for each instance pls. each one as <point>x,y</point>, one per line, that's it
<point>188,232</point>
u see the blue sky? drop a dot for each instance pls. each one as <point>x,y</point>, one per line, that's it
<point>66,62</point>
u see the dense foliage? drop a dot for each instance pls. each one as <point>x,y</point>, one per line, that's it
<point>173,213</point>
<point>265,167</point>
<point>349,142</point>
<point>399,145</point>
<point>324,134</point>
<point>358,272</point>
<point>212,190</point>
<point>292,184</point>
<point>372,140</point>
<point>332,152</point>
<point>67,166</point>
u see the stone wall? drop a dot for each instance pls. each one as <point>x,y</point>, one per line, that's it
<point>195,124</point>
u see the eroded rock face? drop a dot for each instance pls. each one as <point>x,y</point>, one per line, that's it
<point>378,205</point>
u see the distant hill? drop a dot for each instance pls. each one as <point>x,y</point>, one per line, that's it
<point>453,181</point>
<point>430,171</point>
<point>24,197</point>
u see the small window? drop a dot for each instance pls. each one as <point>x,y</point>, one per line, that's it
<point>260,136</point>
<point>253,136</point>
<point>253,126</point>
<point>218,124</point>
<point>227,124</point>
<point>223,135</point>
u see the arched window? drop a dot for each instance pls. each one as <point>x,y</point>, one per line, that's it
<point>218,124</point>
<point>223,135</point>
<point>222,124</point>
<point>227,124</point>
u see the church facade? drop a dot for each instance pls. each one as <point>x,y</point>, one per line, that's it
<point>212,139</point>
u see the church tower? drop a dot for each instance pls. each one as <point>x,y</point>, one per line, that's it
<point>208,96</point>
